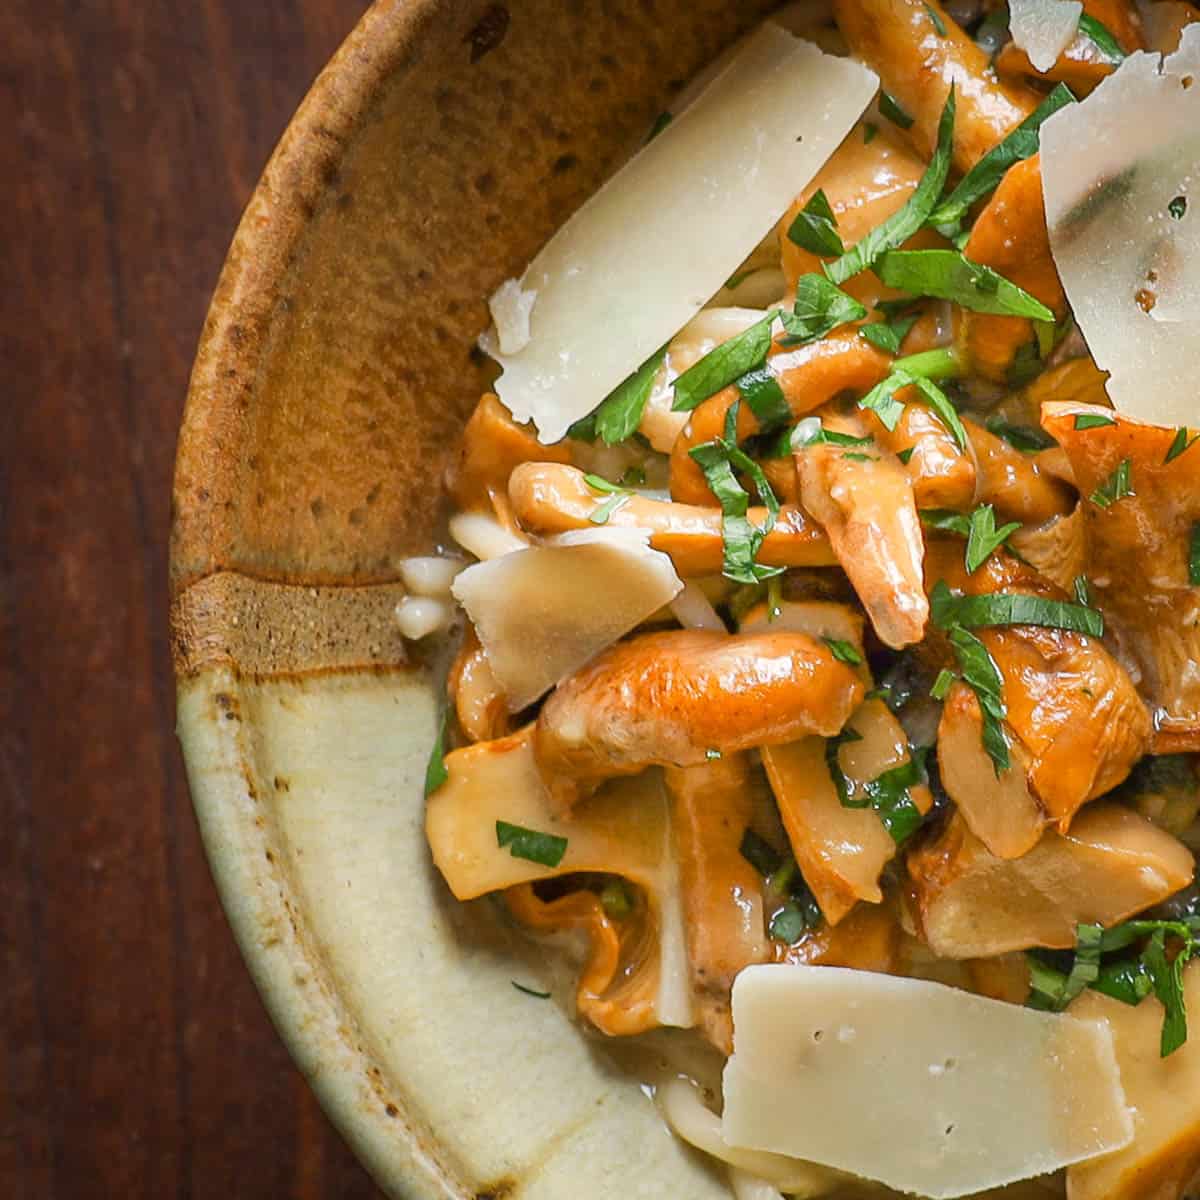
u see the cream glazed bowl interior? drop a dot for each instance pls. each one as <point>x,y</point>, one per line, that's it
<point>438,150</point>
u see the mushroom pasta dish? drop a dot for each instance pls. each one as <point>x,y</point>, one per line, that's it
<point>826,581</point>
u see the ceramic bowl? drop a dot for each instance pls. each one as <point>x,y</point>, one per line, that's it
<point>442,145</point>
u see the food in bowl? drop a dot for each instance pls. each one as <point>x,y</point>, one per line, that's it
<point>827,697</point>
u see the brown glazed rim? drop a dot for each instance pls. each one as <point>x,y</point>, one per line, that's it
<point>302,1001</point>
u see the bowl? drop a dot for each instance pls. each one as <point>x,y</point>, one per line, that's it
<point>441,146</point>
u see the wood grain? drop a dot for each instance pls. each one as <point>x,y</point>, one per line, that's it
<point>135,1057</point>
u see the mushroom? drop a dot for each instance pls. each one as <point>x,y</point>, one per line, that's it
<point>711,808</point>
<point>1014,482</point>
<point>968,903</point>
<point>901,41</point>
<point>840,851</point>
<point>865,503</point>
<point>1010,237</point>
<point>548,499</point>
<point>679,698</point>
<point>1163,1094</point>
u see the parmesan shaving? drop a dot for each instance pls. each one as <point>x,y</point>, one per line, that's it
<point>1121,174</point>
<point>1043,28</point>
<point>542,612</point>
<point>511,307</point>
<point>919,1086</point>
<point>642,256</point>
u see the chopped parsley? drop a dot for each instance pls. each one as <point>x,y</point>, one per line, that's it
<point>870,129</point>
<point>1116,487</point>
<point>904,223</point>
<point>1128,962</point>
<point>942,684</point>
<point>742,539</point>
<point>544,848</point>
<point>982,179</point>
<point>1194,556</point>
<point>917,370</point>
<point>938,23</point>
<point>1101,37</point>
<point>843,651</point>
<point>723,365</point>
<point>1083,591</point>
<point>615,900</point>
<point>815,228</point>
<point>888,793</point>
<point>759,853</point>
<point>949,275</point>
<point>1179,444</point>
<point>983,538</point>
<point>1092,421</point>
<point>435,771</point>
<point>810,432</point>
<point>889,107</point>
<point>981,674</point>
<point>528,991</point>
<point>660,123</point>
<point>1029,439</point>
<point>796,911</point>
<point>887,335</point>
<point>820,307</point>
<point>1178,207</point>
<point>1011,608</point>
<point>617,496</point>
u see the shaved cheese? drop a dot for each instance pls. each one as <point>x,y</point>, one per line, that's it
<point>919,1086</point>
<point>541,613</point>
<point>1043,28</point>
<point>1121,174</point>
<point>664,234</point>
<point>511,307</point>
<point>483,536</point>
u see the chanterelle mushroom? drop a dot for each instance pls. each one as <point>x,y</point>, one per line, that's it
<point>968,903</point>
<point>678,698</point>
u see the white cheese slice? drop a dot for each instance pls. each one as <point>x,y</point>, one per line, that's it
<point>916,1085</point>
<point>1043,28</point>
<point>541,613</point>
<point>1121,175</point>
<point>641,257</point>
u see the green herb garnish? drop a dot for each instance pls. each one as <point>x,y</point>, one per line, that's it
<point>615,900</point>
<point>617,496</point>
<point>903,224</point>
<point>1011,608</point>
<point>1083,591</point>
<point>980,673</point>
<point>1092,421</point>
<point>759,853</point>
<point>1194,556</point>
<point>938,23</point>
<point>810,432</point>
<point>1116,487</point>
<point>528,991</point>
<point>843,651</point>
<point>888,794</point>
<point>984,538</point>
<point>889,107</point>
<point>742,539</point>
<point>544,848</point>
<point>887,336</point>
<point>820,307</point>
<point>435,770</point>
<point>870,129</point>
<point>942,684</point>
<point>1179,444</point>
<point>1178,207</point>
<point>1101,37</point>
<point>660,123</point>
<point>723,364</point>
<point>1029,439</point>
<point>815,228</point>
<point>948,275</point>
<point>982,179</point>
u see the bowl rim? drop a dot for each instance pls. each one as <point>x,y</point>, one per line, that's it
<point>290,977</point>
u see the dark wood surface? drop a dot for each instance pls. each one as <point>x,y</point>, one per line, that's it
<point>136,1059</point>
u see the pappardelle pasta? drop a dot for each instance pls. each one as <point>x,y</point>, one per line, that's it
<point>829,692</point>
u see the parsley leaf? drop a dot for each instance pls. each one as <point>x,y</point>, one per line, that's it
<point>901,225</point>
<point>723,364</point>
<point>942,684</point>
<point>810,432</point>
<point>1194,556</point>
<point>1101,37</point>
<point>759,853</point>
<point>1117,486</point>
<point>1083,591</point>
<point>982,676</point>
<point>435,771</point>
<point>530,991</point>
<point>1029,439</point>
<point>620,412</point>
<point>617,496</point>
<point>761,391</point>
<point>660,123</point>
<point>544,848</point>
<point>888,794</point>
<point>815,228</point>
<point>820,307</point>
<point>1179,444</point>
<point>1011,608</point>
<point>984,538</point>
<point>1178,207</point>
<point>870,129</point>
<point>948,275</point>
<point>938,23</point>
<point>982,179</point>
<point>845,652</point>
<point>742,539</point>
<point>889,107</point>
<point>887,336</point>
<point>1092,421</point>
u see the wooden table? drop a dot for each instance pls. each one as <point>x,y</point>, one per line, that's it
<point>136,1060</point>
